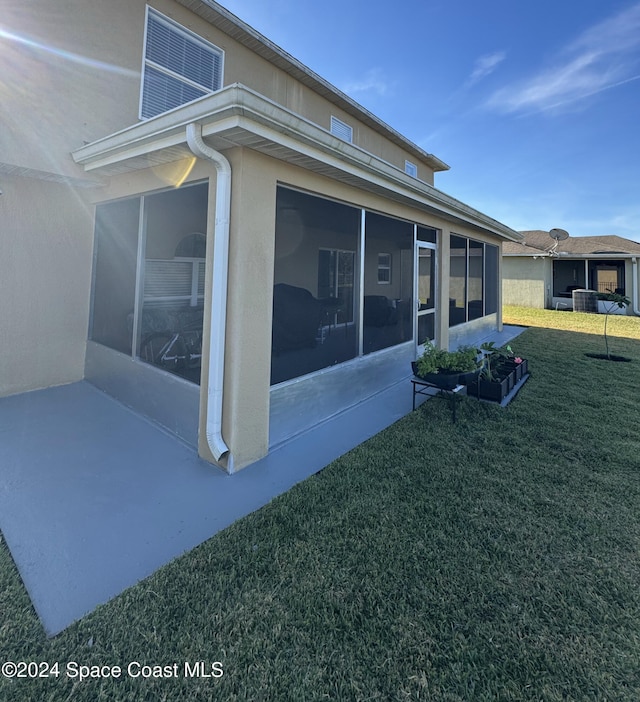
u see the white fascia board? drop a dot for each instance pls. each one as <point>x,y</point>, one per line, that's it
<point>299,134</point>
<point>526,254</point>
<point>376,172</point>
<point>168,128</point>
<point>238,106</point>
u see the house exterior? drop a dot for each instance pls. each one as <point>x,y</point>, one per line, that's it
<point>540,272</point>
<point>202,227</point>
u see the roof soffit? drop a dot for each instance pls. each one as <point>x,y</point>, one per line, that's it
<point>237,116</point>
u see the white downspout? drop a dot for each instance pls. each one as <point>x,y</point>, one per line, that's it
<point>219,293</point>
<point>635,292</point>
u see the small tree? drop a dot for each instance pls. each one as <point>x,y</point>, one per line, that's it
<point>612,301</point>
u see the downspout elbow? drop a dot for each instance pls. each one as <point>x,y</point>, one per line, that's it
<point>217,329</point>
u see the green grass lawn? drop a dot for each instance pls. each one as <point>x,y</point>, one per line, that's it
<point>618,325</point>
<point>494,559</point>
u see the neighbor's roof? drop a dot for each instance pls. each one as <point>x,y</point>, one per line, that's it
<point>538,241</point>
<point>246,35</point>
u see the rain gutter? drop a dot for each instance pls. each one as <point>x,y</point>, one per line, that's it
<point>237,115</point>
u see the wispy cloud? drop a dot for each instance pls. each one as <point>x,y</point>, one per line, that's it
<point>603,57</point>
<point>484,66</point>
<point>373,81</point>
<point>623,222</point>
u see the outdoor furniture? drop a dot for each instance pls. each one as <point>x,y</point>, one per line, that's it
<point>379,311</point>
<point>297,315</point>
<point>422,387</point>
<point>331,307</point>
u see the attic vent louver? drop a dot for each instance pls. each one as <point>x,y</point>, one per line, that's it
<point>341,129</point>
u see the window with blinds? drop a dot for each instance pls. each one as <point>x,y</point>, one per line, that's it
<point>178,66</point>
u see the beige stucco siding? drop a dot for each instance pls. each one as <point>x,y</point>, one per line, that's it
<point>75,85</point>
<point>87,71</point>
<point>45,269</point>
<point>248,332</point>
<point>241,65</point>
<point>630,292</point>
<point>46,252</point>
<point>523,281</point>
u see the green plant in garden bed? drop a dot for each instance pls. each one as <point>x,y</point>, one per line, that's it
<point>500,371</point>
<point>496,358</point>
<point>446,369</point>
<point>435,360</point>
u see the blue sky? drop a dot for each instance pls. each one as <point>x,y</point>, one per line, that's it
<point>535,106</point>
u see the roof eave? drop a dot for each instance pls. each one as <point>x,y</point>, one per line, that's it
<point>238,116</point>
<point>240,31</point>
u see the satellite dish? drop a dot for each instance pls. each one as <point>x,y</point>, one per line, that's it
<point>559,234</point>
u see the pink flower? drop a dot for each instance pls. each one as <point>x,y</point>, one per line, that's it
<point>517,359</point>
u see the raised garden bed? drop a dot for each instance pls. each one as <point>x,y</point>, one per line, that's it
<point>497,377</point>
<point>501,390</point>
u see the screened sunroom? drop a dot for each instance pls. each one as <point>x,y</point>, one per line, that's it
<point>345,283</point>
<point>146,317</point>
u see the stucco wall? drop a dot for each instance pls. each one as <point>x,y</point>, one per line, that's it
<point>45,269</point>
<point>83,70</point>
<point>241,65</point>
<point>632,294</point>
<point>78,80</point>
<point>523,281</point>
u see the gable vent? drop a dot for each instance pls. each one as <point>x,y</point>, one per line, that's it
<point>411,169</point>
<point>341,129</point>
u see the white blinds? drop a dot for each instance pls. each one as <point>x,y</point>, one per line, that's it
<point>179,66</point>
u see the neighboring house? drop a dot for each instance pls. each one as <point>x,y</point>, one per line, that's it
<point>205,229</point>
<point>540,272</point>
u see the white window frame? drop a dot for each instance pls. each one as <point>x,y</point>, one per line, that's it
<point>435,309</point>
<point>189,36</point>
<point>411,169</point>
<point>384,268</point>
<point>341,129</point>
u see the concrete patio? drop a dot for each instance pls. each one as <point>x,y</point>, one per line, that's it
<point>94,498</point>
